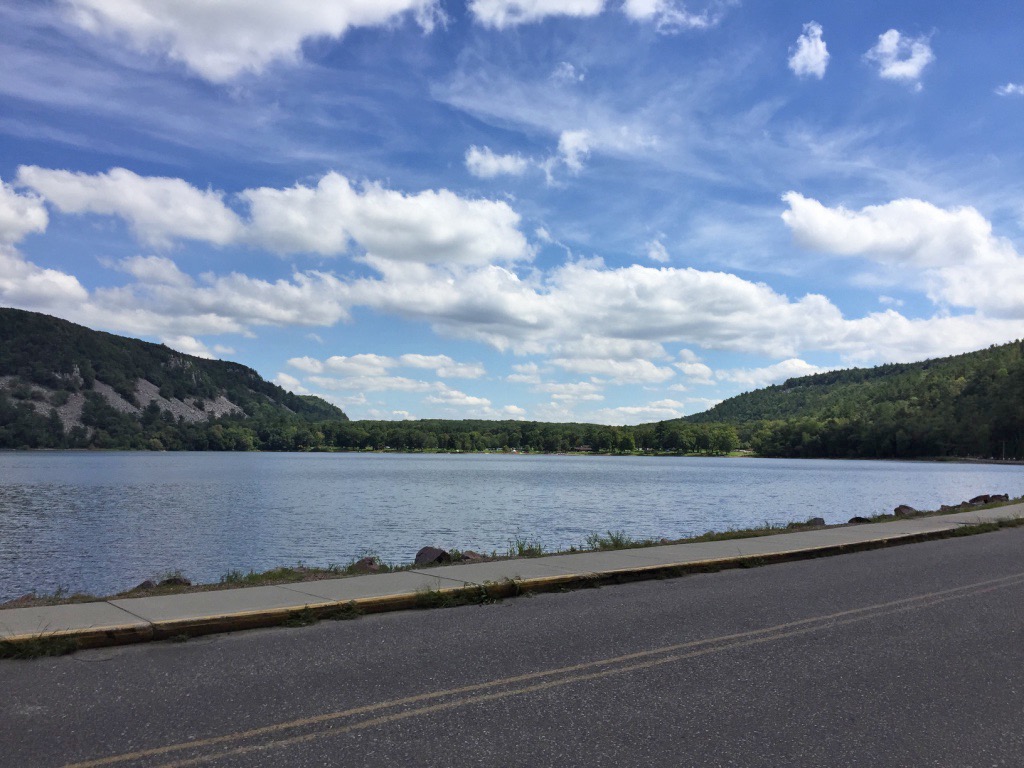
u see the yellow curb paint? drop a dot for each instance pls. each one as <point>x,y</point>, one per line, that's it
<point>230,622</point>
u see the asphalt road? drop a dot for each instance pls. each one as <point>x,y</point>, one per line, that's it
<point>911,656</point>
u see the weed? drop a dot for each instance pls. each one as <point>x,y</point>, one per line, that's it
<point>302,618</point>
<point>38,647</point>
<point>346,612</point>
<point>434,598</point>
<point>611,540</point>
<point>521,547</point>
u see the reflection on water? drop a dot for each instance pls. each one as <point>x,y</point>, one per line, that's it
<point>103,522</point>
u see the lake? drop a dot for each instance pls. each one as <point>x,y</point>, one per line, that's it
<point>103,522</point>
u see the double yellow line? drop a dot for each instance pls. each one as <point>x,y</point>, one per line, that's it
<point>307,729</point>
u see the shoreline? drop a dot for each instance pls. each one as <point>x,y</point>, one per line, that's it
<point>176,583</point>
<point>631,454</point>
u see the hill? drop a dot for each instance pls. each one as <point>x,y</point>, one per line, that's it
<point>965,405</point>
<point>64,385</point>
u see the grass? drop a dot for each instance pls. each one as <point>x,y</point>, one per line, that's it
<point>38,647</point>
<point>520,547</point>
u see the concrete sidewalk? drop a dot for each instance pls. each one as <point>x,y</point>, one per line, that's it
<point>118,621</point>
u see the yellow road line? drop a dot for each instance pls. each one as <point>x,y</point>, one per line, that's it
<point>668,654</point>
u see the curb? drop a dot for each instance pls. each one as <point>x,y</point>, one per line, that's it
<point>97,637</point>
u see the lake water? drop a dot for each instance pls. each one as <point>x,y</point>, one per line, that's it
<point>103,522</point>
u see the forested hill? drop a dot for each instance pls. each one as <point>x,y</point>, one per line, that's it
<point>967,405</point>
<point>89,388</point>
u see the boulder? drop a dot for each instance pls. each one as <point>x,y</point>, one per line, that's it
<point>147,584</point>
<point>858,519</point>
<point>904,510</point>
<point>366,565</point>
<point>815,521</point>
<point>176,581</point>
<point>982,499</point>
<point>469,556</point>
<point>432,556</point>
<point>999,497</point>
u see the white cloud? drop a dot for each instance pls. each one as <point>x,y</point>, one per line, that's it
<point>220,40</point>
<point>755,378</point>
<point>964,264</point>
<point>656,251</point>
<point>444,366</point>
<point>428,227</point>
<point>372,383</point>
<point>659,410</point>
<point>155,270</point>
<point>290,383</point>
<point>901,58</point>
<point>565,72</point>
<point>447,396</point>
<point>190,345</point>
<point>507,13</point>
<point>1011,89</point>
<point>27,286</point>
<point>360,365</point>
<point>525,373</point>
<point>636,371</point>
<point>572,391</point>
<point>810,57</point>
<point>573,148</point>
<point>484,164</point>
<point>307,364</point>
<point>20,215</point>
<point>669,16</point>
<point>696,372</point>
<point>158,209</point>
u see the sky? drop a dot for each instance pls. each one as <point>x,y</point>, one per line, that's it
<point>612,211</point>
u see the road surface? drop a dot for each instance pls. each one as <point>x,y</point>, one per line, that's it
<point>910,656</point>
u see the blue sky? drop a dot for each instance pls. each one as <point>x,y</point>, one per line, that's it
<point>593,210</point>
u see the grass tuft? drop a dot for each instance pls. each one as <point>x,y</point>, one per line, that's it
<point>38,647</point>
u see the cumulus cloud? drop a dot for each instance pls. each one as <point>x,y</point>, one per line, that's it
<point>220,40</point>
<point>755,378</point>
<point>565,72</point>
<point>636,371</point>
<point>484,164</point>
<point>448,396</point>
<point>20,215</point>
<point>810,56</point>
<point>963,262</point>
<point>572,391</point>
<point>573,148</point>
<point>1011,89</point>
<point>901,57</point>
<point>668,16</point>
<point>696,372</point>
<point>292,384</point>
<point>659,410</point>
<point>158,209</point>
<point>190,345</point>
<point>27,286</point>
<point>332,218</point>
<point>524,373</point>
<point>429,227</point>
<point>368,364</point>
<point>508,13</point>
<point>443,366</point>
<point>656,251</point>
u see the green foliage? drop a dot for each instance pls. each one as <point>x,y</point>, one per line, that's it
<point>964,406</point>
